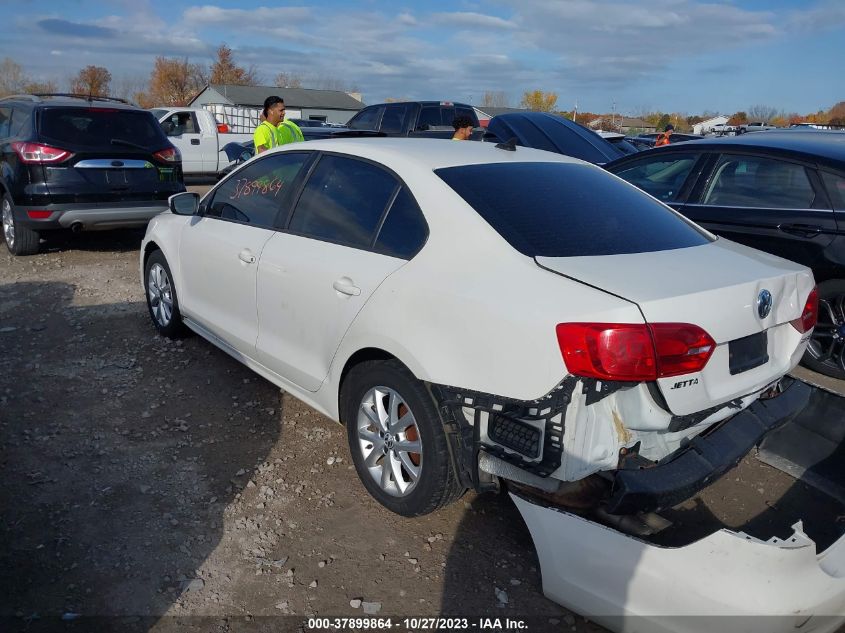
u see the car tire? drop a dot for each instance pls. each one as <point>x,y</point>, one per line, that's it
<point>391,456</point>
<point>826,351</point>
<point>162,301</point>
<point>19,240</point>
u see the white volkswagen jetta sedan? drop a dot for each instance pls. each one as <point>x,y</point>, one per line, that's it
<point>474,313</point>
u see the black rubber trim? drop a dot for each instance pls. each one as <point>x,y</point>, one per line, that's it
<point>706,457</point>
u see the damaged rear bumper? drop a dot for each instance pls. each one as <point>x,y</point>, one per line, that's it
<point>716,583</point>
<point>706,457</point>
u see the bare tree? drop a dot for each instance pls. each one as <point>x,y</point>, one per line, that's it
<point>91,80</point>
<point>762,113</point>
<point>288,80</point>
<point>495,99</point>
<point>12,78</point>
<point>175,81</point>
<point>224,70</point>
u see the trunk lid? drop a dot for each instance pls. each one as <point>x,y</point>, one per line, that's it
<point>715,286</point>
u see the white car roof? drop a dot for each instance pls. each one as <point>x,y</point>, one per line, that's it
<point>429,154</point>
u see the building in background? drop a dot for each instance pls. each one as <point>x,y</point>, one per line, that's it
<point>329,106</point>
<point>707,126</point>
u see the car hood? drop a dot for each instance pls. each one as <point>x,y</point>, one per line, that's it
<point>541,130</point>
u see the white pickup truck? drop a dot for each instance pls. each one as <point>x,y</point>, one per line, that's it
<point>199,137</point>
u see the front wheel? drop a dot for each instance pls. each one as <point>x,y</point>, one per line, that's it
<point>162,302</point>
<point>398,443</point>
<point>826,351</point>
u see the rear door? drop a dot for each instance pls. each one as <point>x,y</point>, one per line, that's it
<point>115,155</point>
<point>769,203</point>
<point>219,250</point>
<point>315,276</point>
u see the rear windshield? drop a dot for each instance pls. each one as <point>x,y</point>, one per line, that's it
<point>98,127</point>
<point>568,210</point>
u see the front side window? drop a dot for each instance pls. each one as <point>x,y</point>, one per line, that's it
<point>343,201</point>
<point>569,210</point>
<point>661,176</point>
<point>180,123</point>
<point>366,119</point>
<point>256,194</point>
<point>752,181</point>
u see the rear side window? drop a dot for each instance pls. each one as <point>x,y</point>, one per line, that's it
<point>21,122</point>
<point>568,210</point>
<point>752,181</point>
<point>430,117</point>
<point>835,186</point>
<point>101,128</point>
<point>404,230</point>
<point>343,201</point>
<point>5,121</point>
<point>258,192</point>
<point>394,118</point>
<point>661,176</point>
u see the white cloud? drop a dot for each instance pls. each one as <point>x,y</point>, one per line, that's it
<point>470,19</point>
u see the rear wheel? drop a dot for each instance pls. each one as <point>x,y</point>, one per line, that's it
<point>826,351</point>
<point>162,302</point>
<point>398,443</point>
<point>19,239</point>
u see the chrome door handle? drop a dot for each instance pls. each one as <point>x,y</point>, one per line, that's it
<point>346,286</point>
<point>246,256</point>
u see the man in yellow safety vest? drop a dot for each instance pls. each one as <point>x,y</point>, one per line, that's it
<point>274,131</point>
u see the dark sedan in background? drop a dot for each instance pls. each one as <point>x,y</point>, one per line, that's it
<point>780,192</point>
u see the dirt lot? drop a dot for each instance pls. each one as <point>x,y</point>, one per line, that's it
<point>143,477</point>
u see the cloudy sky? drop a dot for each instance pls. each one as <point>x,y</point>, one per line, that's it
<point>675,55</point>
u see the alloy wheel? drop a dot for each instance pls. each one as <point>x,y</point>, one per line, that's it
<point>160,294</point>
<point>8,223</point>
<point>828,343</point>
<point>389,441</point>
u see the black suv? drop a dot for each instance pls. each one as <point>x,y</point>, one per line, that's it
<point>76,162</point>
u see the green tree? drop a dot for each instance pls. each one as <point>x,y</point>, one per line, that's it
<point>539,101</point>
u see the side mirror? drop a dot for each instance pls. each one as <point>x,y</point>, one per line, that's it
<point>185,203</point>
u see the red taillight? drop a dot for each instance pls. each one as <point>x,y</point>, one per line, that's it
<point>39,215</point>
<point>633,352</point>
<point>37,153</point>
<point>222,128</point>
<point>682,348</point>
<point>169,155</point>
<point>810,314</point>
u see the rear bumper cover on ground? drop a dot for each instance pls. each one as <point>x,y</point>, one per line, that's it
<point>92,216</point>
<point>727,581</point>
<point>705,458</point>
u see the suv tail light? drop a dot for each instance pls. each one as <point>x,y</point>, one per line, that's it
<point>169,155</point>
<point>810,314</point>
<point>37,153</point>
<point>633,352</point>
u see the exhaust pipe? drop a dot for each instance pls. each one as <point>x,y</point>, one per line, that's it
<point>76,227</point>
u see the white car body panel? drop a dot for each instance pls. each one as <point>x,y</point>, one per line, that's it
<point>474,313</point>
<point>631,586</point>
<point>300,344</point>
<point>218,288</point>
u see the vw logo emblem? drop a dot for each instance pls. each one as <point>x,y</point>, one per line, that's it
<point>764,303</point>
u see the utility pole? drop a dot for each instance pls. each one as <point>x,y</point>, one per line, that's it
<point>613,115</point>
<point>575,111</point>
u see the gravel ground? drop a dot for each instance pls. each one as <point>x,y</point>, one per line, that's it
<point>143,477</point>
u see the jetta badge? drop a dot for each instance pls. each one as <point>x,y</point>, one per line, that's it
<point>764,303</point>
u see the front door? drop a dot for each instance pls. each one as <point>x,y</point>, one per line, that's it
<point>220,249</point>
<point>183,131</point>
